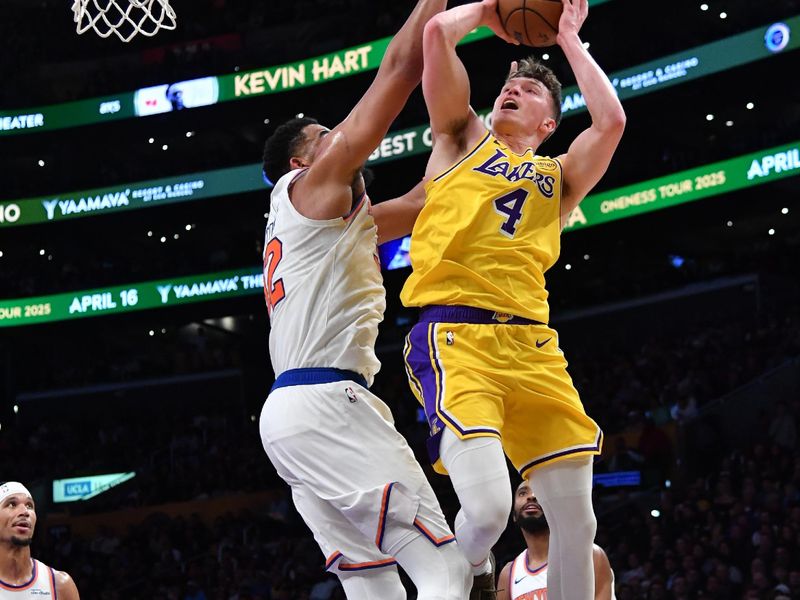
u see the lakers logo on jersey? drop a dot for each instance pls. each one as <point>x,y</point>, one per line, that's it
<point>499,164</point>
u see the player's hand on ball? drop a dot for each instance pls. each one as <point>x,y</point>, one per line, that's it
<point>491,19</point>
<point>572,18</point>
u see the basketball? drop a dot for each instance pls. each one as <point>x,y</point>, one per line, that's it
<point>531,22</point>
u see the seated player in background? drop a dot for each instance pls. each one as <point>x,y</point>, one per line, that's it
<point>525,577</point>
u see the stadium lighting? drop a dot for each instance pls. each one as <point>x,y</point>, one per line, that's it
<point>729,123</point>
<point>784,211</point>
<point>149,234</point>
<point>667,484</point>
<point>189,134</point>
<point>704,6</point>
<point>16,409</point>
<point>266,215</point>
<point>709,117</point>
<point>41,252</point>
<point>163,330</point>
<point>771,231</point>
<point>586,45</point>
<point>253,418</point>
<point>188,227</point>
<point>176,236</point>
<point>568,267</point>
<point>586,257</point>
<point>165,147</point>
<point>750,106</point>
<point>163,239</point>
<point>1,254</point>
<point>545,56</point>
<point>729,223</point>
<point>655,513</point>
<point>41,162</point>
<point>151,140</point>
<point>723,15</point>
<point>300,115</point>
<point>151,333</point>
<point>266,121</point>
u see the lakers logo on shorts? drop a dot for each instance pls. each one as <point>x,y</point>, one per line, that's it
<point>502,317</point>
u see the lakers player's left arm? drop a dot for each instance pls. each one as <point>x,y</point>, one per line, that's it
<point>590,153</point>
<point>603,575</point>
<point>503,593</point>
<point>395,218</point>
<point>65,587</point>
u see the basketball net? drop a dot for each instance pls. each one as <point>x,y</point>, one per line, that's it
<point>125,18</point>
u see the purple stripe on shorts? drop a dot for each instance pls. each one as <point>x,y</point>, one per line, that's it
<point>595,448</point>
<point>420,363</point>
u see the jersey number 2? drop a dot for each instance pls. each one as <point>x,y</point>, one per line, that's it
<point>273,290</point>
<point>510,205</point>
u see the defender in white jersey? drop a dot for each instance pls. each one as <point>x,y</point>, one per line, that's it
<point>354,479</point>
<point>22,576</point>
<point>525,577</point>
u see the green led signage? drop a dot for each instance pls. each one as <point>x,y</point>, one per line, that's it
<point>664,192</point>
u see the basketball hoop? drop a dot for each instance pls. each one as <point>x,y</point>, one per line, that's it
<point>125,18</point>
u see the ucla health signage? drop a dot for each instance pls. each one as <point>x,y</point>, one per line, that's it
<point>83,488</point>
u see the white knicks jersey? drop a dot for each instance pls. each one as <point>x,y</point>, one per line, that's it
<point>323,286</point>
<point>526,583</point>
<point>41,586</point>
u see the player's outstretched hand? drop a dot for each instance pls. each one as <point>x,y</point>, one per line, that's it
<point>491,18</point>
<point>572,18</point>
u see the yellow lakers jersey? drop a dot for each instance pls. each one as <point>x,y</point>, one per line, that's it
<point>488,232</point>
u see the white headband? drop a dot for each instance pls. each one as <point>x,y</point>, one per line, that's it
<point>11,488</point>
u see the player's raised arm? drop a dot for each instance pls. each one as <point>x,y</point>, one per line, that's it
<point>445,82</point>
<point>589,155</point>
<point>395,218</point>
<point>346,148</point>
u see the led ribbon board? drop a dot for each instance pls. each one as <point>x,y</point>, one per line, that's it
<point>205,91</point>
<point>127,298</point>
<point>686,186</point>
<point>646,78</point>
<point>635,81</point>
<point>198,186</point>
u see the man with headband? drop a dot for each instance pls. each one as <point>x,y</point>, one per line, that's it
<point>22,576</point>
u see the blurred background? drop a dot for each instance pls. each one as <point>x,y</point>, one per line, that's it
<point>133,331</point>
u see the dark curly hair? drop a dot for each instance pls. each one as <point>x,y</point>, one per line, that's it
<point>533,69</point>
<point>282,145</point>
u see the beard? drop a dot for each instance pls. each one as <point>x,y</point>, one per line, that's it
<point>21,542</point>
<point>533,524</point>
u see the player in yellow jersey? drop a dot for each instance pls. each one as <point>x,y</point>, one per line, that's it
<point>482,360</point>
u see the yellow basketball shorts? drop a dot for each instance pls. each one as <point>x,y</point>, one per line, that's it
<point>481,373</point>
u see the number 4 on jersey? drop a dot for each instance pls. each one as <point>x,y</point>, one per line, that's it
<point>510,205</point>
<point>273,290</point>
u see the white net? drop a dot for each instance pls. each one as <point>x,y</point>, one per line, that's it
<point>124,18</point>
